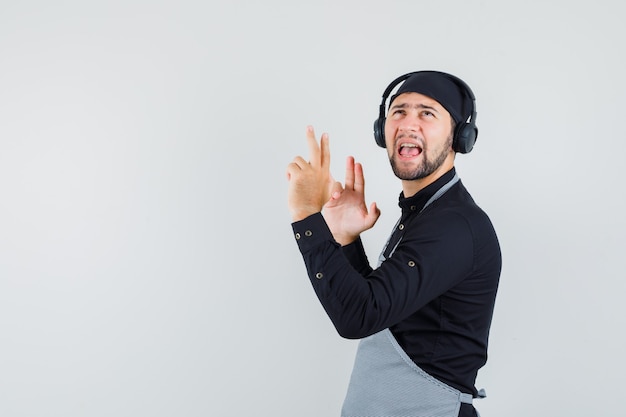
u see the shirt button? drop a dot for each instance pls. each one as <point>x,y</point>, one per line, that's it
<point>319,275</point>
<point>297,235</point>
<point>413,208</point>
<point>411,264</point>
<point>401,227</point>
<point>308,233</point>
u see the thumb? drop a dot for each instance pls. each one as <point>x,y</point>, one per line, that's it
<point>335,193</point>
<point>374,212</point>
<point>336,187</point>
<point>372,216</point>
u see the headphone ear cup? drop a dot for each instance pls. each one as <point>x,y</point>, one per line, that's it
<point>465,138</point>
<point>379,132</point>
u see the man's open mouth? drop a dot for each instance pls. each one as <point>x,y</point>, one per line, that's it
<point>409,150</point>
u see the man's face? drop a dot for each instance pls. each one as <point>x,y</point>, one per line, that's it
<point>418,134</point>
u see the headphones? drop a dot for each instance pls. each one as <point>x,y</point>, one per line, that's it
<point>465,132</point>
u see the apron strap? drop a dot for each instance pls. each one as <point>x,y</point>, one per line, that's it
<point>465,398</point>
<point>441,191</point>
<point>432,199</point>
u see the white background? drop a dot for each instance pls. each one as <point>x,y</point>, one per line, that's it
<point>147,265</point>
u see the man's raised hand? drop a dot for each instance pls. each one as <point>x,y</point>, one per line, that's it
<point>346,213</point>
<point>310,182</point>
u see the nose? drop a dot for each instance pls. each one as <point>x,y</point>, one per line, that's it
<point>409,124</point>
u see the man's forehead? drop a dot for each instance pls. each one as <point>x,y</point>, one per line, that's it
<point>411,98</point>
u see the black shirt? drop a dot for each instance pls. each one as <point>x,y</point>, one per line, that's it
<point>436,292</point>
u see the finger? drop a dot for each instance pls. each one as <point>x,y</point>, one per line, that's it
<point>336,189</point>
<point>373,214</point>
<point>292,169</point>
<point>359,179</point>
<point>325,151</point>
<point>349,181</point>
<point>314,149</point>
<point>299,162</point>
<point>374,210</point>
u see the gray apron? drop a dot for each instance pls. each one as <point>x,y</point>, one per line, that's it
<point>385,382</point>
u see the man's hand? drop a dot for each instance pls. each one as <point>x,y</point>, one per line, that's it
<point>310,182</point>
<point>346,214</point>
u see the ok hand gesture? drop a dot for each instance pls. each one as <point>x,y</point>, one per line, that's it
<point>346,213</point>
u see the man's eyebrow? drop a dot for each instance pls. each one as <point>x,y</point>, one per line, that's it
<point>417,106</point>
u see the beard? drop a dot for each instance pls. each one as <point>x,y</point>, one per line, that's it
<point>425,168</point>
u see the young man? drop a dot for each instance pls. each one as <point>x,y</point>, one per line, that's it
<point>423,315</point>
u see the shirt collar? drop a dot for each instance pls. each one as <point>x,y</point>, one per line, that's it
<point>417,201</point>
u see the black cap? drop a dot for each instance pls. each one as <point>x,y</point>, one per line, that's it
<point>441,88</point>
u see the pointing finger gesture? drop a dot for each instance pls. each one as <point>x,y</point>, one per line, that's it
<point>310,182</point>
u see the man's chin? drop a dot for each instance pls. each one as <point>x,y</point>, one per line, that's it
<point>407,175</point>
<point>407,171</point>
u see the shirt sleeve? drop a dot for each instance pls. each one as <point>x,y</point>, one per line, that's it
<point>355,253</point>
<point>431,258</point>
